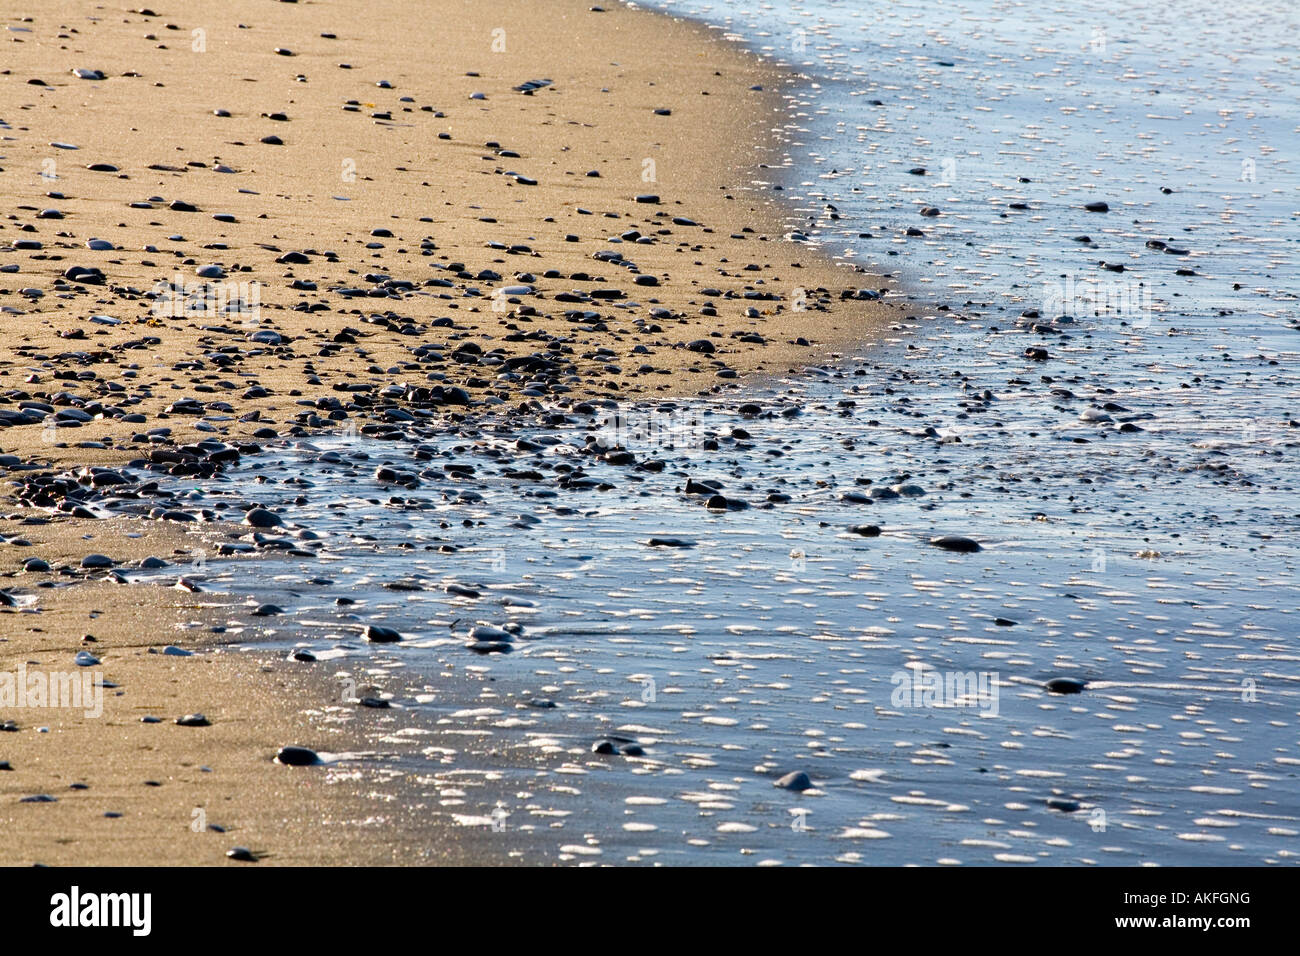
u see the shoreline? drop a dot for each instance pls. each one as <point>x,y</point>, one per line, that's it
<point>254,705</point>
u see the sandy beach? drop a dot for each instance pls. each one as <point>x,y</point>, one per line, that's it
<point>406,199</point>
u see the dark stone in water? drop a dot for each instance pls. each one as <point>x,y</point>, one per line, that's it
<point>490,647</point>
<point>670,543</point>
<point>378,634</point>
<point>1065,685</point>
<point>604,747</point>
<point>955,542</point>
<point>378,703</point>
<point>261,518</point>
<point>1060,803</point>
<point>267,610</point>
<point>866,530</point>
<point>796,780</point>
<point>295,756</point>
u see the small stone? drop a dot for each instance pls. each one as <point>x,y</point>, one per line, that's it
<point>295,756</point>
<point>262,518</point>
<point>378,634</point>
<point>796,780</point>
<point>241,853</point>
<point>956,542</point>
<point>193,720</point>
<point>1062,804</point>
<point>1065,685</point>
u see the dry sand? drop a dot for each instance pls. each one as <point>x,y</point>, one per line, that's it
<point>393,142</point>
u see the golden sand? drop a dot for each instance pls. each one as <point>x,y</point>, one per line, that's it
<point>501,183</point>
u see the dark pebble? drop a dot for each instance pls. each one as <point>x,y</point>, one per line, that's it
<point>796,780</point>
<point>295,756</point>
<point>1065,685</point>
<point>955,542</point>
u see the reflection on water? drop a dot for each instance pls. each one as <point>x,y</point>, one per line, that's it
<point>806,623</point>
<point>1103,400</point>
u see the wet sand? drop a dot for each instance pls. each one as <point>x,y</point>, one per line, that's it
<point>395,211</point>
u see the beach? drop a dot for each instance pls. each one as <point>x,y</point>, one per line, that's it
<point>405,166</point>
<point>576,435</point>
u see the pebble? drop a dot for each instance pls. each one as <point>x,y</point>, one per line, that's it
<point>378,634</point>
<point>296,756</point>
<point>956,542</point>
<point>262,518</point>
<point>796,780</point>
<point>1065,685</point>
<point>193,720</point>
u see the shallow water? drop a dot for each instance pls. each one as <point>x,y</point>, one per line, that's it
<point>774,639</point>
<point>1133,487</point>
<point>1050,106</point>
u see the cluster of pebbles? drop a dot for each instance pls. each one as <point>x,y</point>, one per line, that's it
<point>663,608</point>
<point>675,631</point>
